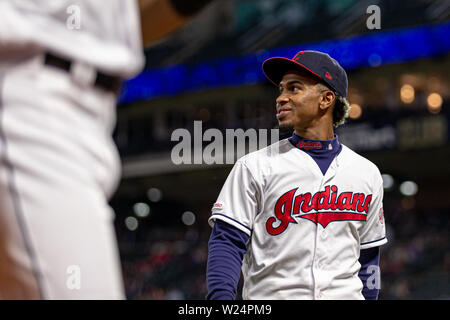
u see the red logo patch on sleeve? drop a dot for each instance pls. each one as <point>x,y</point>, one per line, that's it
<point>381,216</point>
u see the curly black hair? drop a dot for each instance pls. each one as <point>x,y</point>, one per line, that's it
<point>341,106</point>
<point>340,111</point>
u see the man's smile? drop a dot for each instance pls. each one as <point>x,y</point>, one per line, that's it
<point>283,111</point>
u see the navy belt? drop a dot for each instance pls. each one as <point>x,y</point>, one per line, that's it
<point>102,80</point>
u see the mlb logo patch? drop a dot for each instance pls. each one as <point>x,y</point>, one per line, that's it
<point>217,206</point>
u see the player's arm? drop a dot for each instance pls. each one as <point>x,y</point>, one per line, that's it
<point>372,236</point>
<point>160,17</point>
<point>232,219</point>
<point>226,249</point>
<point>370,265</point>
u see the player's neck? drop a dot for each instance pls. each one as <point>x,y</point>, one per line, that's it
<point>316,133</point>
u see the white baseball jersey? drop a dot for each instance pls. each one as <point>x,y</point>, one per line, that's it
<point>58,162</point>
<point>306,229</point>
<point>104,34</point>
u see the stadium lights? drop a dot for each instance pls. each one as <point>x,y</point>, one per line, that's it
<point>141,209</point>
<point>407,93</point>
<point>388,181</point>
<point>434,102</point>
<point>154,194</point>
<point>131,223</point>
<point>188,218</point>
<point>355,111</point>
<point>408,188</point>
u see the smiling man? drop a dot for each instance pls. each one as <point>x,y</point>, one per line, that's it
<point>304,216</point>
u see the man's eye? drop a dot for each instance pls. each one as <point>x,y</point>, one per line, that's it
<point>289,88</point>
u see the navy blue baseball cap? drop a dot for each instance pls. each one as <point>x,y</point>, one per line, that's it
<point>319,64</point>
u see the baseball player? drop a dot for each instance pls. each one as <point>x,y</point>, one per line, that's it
<point>304,216</point>
<point>61,66</point>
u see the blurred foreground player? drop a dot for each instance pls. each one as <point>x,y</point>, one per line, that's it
<point>61,66</point>
<point>304,215</point>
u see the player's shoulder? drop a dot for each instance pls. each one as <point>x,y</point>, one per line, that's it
<point>266,154</point>
<point>356,161</point>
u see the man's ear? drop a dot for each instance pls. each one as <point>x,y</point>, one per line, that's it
<point>327,99</point>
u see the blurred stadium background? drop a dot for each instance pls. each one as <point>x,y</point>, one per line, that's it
<point>210,71</point>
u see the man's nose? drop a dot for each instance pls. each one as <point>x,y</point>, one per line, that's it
<point>282,99</point>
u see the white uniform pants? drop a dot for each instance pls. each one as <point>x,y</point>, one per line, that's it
<point>58,167</point>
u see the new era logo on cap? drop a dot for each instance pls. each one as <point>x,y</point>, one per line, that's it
<point>297,56</point>
<point>319,64</point>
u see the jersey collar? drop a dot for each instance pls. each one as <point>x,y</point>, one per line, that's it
<point>323,152</point>
<point>315,146</point>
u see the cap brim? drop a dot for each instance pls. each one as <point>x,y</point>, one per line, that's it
<point>275,68</point>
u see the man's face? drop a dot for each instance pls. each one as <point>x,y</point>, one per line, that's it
<point>298,102</point>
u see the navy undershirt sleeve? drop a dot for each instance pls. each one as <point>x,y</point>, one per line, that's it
<point>227,246</point>
<point>369,257</point>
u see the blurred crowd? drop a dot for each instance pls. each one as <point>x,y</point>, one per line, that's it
<point>415,263</point>
<point>170,266</point>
